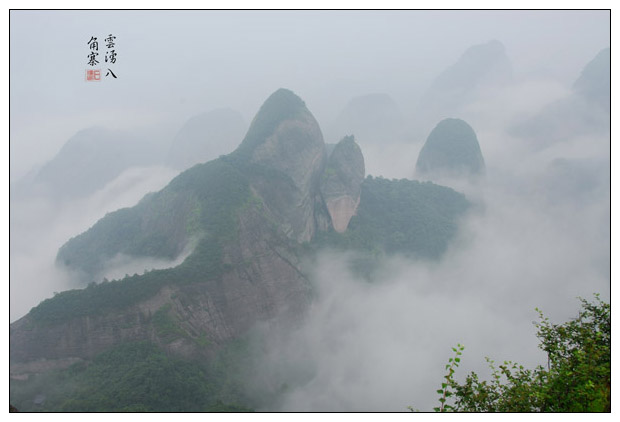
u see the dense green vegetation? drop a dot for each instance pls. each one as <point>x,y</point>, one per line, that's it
<point>577,377</point>
<point>394,216</point>
<point>400,216</point>
<point>203,204</point>
<point>199,202</point>
<point>133,377</point>
<point>218,190</point>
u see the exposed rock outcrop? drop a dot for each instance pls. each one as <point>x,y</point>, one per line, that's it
<point>342,181</point>
<point>262,282</point>
<point>452,150</point>
<point>285,139</point>
<point>249,211</point>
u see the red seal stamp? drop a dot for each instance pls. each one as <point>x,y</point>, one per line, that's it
<point>93,75</point>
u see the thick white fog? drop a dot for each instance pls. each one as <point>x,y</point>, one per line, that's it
<point>537,236</point>
<point>528,243</point>
<point>40,226</point>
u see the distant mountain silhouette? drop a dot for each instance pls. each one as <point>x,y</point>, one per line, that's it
<point>451,149</point>
<point>584,112</point>
<point>205,137</point>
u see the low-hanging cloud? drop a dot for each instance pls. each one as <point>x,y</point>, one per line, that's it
<point>537,237</point>
<point>122,265</point>
<point>40,226</point>
<point>382,346</point>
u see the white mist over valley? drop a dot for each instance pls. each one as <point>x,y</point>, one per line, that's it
<point>242,258</point>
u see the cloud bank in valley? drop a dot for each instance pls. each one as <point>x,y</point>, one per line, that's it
<point>537,236</point>
<point>383,346</point>
<point>40,226</point>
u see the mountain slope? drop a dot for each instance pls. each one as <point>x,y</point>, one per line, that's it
<point>408,217</point>
<point>284,155</point>
<point>251,216</point>
<point>200,202</point>
<point>244,267</point>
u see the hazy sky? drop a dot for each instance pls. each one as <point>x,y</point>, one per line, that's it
<point>528,248</point>
<point>174,64</point>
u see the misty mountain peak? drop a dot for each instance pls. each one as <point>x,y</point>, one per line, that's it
<point>372,118</point>
<point>489,50</point>
<point>483,63</point>
<point>205,137</point>
<point>284,148</point>
<point>279,107</point>
<point>594,83</point>
<point>91,158</point>
<point>451,149</point>
<point>481,68</point>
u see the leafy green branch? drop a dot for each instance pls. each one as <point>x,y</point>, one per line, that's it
<point>444,391</point>
<point>577,377</point>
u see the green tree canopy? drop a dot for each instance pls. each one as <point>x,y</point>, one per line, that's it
<point>577,377</point>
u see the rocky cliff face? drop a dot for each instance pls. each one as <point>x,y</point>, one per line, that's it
<point>342,181</point>
<point>285,140</point>
<point>452,150</point>
<point>262,282</point>
<point>249,212</point>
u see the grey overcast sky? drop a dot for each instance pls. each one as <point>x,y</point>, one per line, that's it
<point>174,64</point>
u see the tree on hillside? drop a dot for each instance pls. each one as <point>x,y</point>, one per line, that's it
<point>577,377</point>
